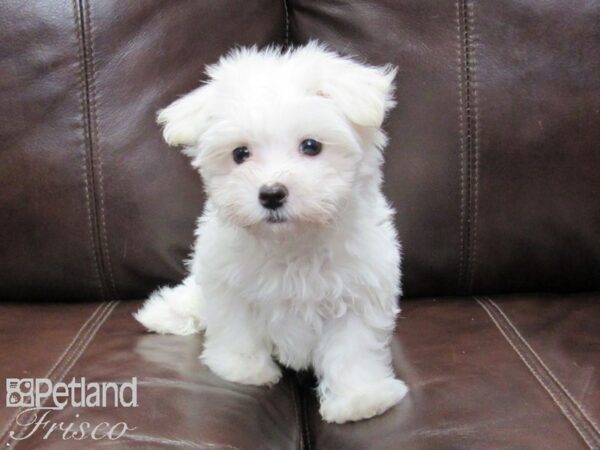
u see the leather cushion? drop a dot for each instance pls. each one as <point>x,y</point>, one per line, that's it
<point>474,384</point>
<point>500,372</point>
<point>93,202</point>
<point>181,403</point>
<point>493,164</point>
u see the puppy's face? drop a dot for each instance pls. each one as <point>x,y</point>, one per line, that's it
<point>280,139</point>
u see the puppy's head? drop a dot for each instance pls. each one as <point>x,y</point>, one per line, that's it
<point>284,139</point>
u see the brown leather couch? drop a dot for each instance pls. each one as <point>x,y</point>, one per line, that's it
<point>493,167</point>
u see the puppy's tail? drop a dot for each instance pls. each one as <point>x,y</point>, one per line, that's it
<point>174,310</point>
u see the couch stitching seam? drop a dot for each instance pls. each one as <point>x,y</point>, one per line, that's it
<point>286,41</point>
<point>294,389</point>
<point>87,325</point>
<point>96,270</point>
<point>50,371</point>
<point>76,338</point>
<point>475,157</point>
<point>84,343</point>
<point>305,419</point>
<point>561,406</point>
<point>98,153</point>
<point>468,67</point>
<point>538,376</point>
<point>68,360</point>
<point>462,142</point>
<point>541,361</point>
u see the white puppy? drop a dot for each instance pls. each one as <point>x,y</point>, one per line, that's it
<point>296,256</point>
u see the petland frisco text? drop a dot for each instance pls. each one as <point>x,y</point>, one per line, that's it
<point>38,398</point>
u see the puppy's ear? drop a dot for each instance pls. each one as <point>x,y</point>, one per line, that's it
<point>186,119</point>
<point>363,93</point>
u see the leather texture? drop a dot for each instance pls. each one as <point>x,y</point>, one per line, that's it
<point>485,373</point>
<point>181,403</point>
<point>474,385</point>
<point>492,166</point>
<point>94,204</point>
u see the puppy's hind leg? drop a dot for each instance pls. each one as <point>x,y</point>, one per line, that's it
<point>174,310</point>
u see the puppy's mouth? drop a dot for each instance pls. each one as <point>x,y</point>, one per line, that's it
<point>276,217</point>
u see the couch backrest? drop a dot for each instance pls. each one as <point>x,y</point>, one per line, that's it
<point>493,164</point>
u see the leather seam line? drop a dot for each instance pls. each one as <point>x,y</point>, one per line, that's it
<point>469,146</point>
<point>297,413</point>
<point>539,370</point>
<point>305,419</point>
<point>286,41</point>
<point>9,424</point>
<point>90,336</point>
<point>466,141</point>
<point>461,137</point>
<point>462,140</point>
<point>474,172</point>
<point>77,353</point>
<point>545,366</point>
<point>87,171</point>
<point>95,141</point>
<point>94,171</point>
<point>66,355</point>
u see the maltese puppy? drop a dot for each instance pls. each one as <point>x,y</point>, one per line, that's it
<point>296,256</point>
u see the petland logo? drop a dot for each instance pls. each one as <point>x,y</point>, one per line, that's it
<point>39,397</point>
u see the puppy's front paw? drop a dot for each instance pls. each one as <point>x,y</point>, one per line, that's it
<point>240,368</point>
<point>363,402</point>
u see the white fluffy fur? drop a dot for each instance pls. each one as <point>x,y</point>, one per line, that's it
<point>321,288</point>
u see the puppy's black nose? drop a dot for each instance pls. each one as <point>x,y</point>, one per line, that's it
<point>272,196</point>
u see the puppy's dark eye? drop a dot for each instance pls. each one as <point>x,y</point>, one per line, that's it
<point>310,147</point>
<point>241,154</point>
